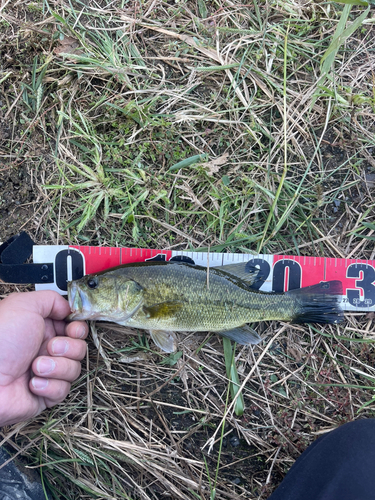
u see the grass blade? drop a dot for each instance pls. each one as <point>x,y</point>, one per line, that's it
<point>340,36</point>
<point>188,161</point>
<point>232,375</point>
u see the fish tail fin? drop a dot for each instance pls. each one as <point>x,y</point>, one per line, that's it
<point>318,303</point>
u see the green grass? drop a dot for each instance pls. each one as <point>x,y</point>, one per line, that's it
<point>133,143</point>
<point>112,148</point>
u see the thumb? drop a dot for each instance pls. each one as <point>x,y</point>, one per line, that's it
<point>46,303</point>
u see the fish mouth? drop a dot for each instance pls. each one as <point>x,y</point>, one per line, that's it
<point>78,302</point>
<point>80,305</point>
<point>74,298</point>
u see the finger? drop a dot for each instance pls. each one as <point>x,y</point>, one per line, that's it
<point>77,330</point>
<point>67,347</point>
<point>47,303</point>
<point>49,333</point>
<point>53,391</point>
<point>53,328</point>
<point>56,368</point>
<point>59,327</point>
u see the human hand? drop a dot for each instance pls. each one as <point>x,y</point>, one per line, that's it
<point>39,353</point>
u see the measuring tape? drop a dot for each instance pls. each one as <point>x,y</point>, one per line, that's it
<point>54,265</point>
<point>278,273</point>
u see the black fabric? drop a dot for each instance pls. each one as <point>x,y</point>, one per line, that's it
<point>13,253</point>
<point>338,466</point>
<point>27,273</point>
<point>17,249</point>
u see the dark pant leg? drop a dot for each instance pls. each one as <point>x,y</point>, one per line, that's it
<point>338,466</point>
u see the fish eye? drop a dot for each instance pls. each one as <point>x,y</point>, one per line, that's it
<point>92,283</point>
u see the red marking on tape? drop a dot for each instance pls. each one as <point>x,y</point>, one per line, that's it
<point>99,259</point>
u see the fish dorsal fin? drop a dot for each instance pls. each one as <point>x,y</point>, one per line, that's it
<point>182,259</point>
<point>242,335</point>
<point>162,310</point>
<point>246,271</point>
<point>165,340</point>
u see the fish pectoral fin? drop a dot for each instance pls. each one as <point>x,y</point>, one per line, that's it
<point>246,271</point>
<point>162,310</point>
<point>242,335</point>
<point>165,340</point>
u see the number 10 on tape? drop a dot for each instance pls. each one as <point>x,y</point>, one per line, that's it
<point>279,273</point>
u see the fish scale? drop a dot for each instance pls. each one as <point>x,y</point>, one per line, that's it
<point>221,304</point>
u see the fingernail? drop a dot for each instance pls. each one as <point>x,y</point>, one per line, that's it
<point>81,331</point>
<point>45,366</point>
<point>39,383</point>
<point>59,346</point>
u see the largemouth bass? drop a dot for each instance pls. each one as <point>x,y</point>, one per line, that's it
<point>165,297</point>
